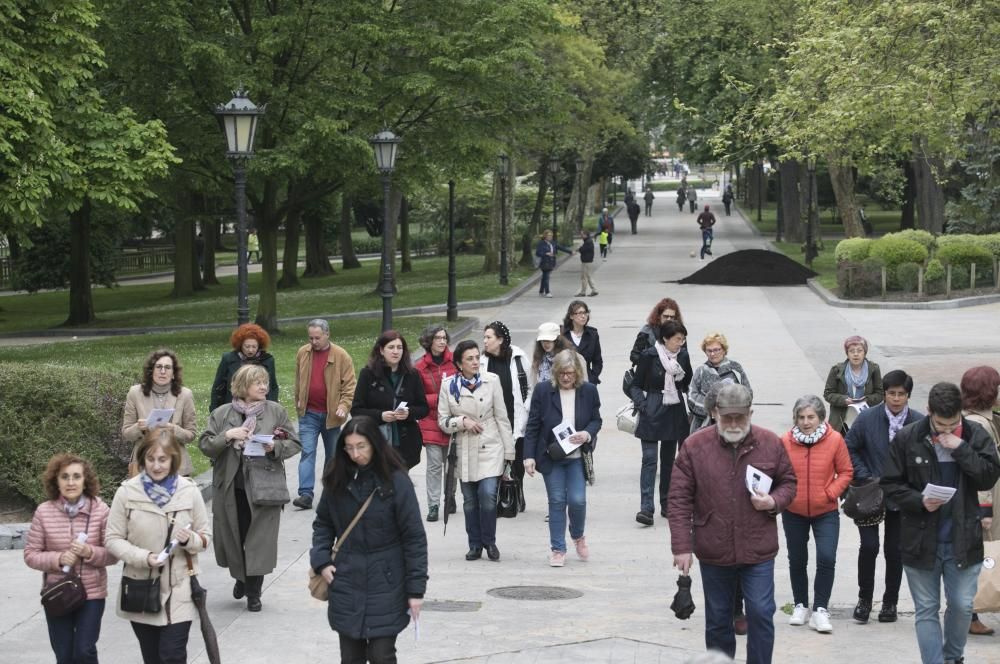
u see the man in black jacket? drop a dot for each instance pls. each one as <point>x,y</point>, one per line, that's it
<point>586,261</point>
<point>942,538</point>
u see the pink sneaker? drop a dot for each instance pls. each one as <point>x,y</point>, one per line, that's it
<point>582,550</point>
<point>557,559</point>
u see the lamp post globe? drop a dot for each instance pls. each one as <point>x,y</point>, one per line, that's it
<point>385,145</point>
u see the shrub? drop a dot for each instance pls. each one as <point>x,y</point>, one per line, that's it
<point>895,251</point>
<point>47,409</point>
<point>989,242</point>
<point>925,238</point>
<point>853,249</point>
<point>907,276</point>
<point>934,276</point>
<point>961,256</point>
<point>859,279</point>
<point>959,277</point>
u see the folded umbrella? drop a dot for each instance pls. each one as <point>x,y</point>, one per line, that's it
<point>683,604</point>
<point>199,596</point>
<point>450,464</point>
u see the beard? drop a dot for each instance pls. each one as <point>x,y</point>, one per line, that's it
<point>733,435</point>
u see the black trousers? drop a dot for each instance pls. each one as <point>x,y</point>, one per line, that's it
<point>360,651</point>
<point>868,554</point>
<point>163,645</point>
<point>254,584</point>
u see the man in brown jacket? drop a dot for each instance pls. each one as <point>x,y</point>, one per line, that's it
<point>714,515</point>
<point>324,390</point>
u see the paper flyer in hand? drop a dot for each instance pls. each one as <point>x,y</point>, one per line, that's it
<point>562,432</point>
<point>159,417</point>
<point>937,492</point>
<point>255,446</point>
<point>757,480</point>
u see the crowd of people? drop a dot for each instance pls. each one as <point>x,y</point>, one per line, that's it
<point>486,414</point>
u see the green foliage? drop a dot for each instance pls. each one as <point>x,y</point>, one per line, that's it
<point>51,408</point>
<point>908,276</point>
<point>859,279</point>
<point>934,276</point>
<point>894,251</point>
<point>925,238</point>
<point>978,208</point>
<point>961,256</point>
<point>854,249</point>
<point>990,243</point>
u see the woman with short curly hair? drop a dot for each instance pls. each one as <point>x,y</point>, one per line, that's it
<point>250,343</point>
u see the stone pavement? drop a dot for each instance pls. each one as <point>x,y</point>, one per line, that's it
<point>786,338</point>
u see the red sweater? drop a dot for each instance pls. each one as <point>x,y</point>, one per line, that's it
<point>823,470</point>
<point>433,375</point>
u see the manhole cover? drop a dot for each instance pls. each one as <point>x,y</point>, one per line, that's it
<point>534,592</point>
<point>449,606</point>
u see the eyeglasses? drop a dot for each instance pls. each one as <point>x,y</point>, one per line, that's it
<point>164,367</point>
<point>580,312</point>
<point>567,374</point>
<point>713,351</point>
<point>440,337</point>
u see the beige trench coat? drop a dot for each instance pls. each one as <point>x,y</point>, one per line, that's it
<point>988,421</point>
<point>137,527</point>
<point>262,539</point>
<point>480,455</point>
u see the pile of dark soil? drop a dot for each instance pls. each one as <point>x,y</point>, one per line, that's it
<point>751,267</point>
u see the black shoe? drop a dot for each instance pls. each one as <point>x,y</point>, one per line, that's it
<point>475,553</point>
<point>888,613</point>
<point>663,512</point>
<point>645,518</point>
<point>253,604</point>
<point>239,590</point>
<point>492,552</point>
<point>432,513</point>
<point>303,502</point>
<point>863,610</point>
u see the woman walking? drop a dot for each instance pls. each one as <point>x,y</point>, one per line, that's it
<point>665,310</point>
<point>250,431</point>
<point>434,367</point>
<point>718,368</point>
<point>162,388</point>
<point>471,405</point>
<point>545,252</point>
<point>824,471</point>
<point>565,399</point>
<point>548,343</point>
<point>380,572</point>
<point>390,392</point>
<point>250,343</point>
<point>852,385</point>
<point>661,379</point>
<point>149,512</point>
<point>67,532</point>
<point>508,363</point>
<point>584,338</point>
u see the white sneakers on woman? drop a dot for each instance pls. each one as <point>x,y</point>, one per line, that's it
<point>800,614</point>
<point>820,620</point>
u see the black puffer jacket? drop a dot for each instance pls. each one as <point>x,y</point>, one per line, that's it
<point>229,365</point>
<point>656,421</point>
<point>374,395</point>
<point>383,562</point>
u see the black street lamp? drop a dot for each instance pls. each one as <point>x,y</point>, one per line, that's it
<point>385,143</point>
<point>452,275</point>
<point>503,162</point>
<point>761,191</point>
<point>581,197</point>
<point>779,219</point>
<point>811,252</point>
<point>554,165</point>
<point>239,121</point>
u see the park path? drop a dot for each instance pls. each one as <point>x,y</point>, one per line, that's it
<point>785,338</point>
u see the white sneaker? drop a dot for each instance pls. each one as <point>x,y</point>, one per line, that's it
<point>800,614</point>
<point>820,620</point>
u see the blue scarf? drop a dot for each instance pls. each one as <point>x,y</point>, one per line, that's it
<point>896,422</point>
<point>159,492</point>
<point>856,386</point>
<point>461,381</point>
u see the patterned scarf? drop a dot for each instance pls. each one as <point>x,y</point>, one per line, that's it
<point>674,371</point>
<point>461,381</point>
<point>810,439</point>
<point>255,358</point>
<point>545,367</point>
<point>249,410</point>
<point>72,509</point>
<point>856,384</point>
<point>159,492</point>
<point>896,422</point>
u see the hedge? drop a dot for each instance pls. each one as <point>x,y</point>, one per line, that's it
<point>990,243</point>
<point>51,408</point>
<point>926,238</point>
<point>853,249</point>
<point>895,251</point>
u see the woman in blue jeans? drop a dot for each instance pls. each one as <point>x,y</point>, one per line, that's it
<point>545,253</point>
<point>471,406</point>
<point>565,401</point>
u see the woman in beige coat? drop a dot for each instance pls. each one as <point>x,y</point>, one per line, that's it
<point>246,535</point>
<point>151,509</point>
<point>161,388</point>
<point>471,405</point>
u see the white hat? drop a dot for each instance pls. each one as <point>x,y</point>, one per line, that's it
<point>548,331</point>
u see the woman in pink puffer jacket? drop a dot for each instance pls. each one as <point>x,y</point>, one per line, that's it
<point>74,507</point>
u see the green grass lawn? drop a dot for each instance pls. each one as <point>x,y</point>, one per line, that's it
<point>883,221</point>
<point>346,291</point>
<point>671,185</point>
<point>824,264</point>
<point>199,353</point>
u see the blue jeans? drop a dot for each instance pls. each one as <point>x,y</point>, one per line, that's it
<point>74,637</point>
<point>668,450</point>
<point>959,589</point>
<point>706,242</point>
<point>826,530</point>
<point>480,509</point>
<point>311,426</point>
<point>543,285</point>
<point>719,585</point>
<point>566,488</point>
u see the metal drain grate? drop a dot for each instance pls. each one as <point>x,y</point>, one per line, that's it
<point>536,593</point>
<point>451,606</point>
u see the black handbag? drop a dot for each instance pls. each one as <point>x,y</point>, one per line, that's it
<point>864,502</point>
<point>266,481</point>
<point>66,594</point>
<point>555,451</point>
<point>143,595</point>
<point>508,498</point>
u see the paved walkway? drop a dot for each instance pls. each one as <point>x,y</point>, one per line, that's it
<point>787,340</point>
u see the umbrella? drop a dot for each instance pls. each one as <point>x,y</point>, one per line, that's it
<point>683,605</point>
<point>450,464</point>
<point>198,596</point>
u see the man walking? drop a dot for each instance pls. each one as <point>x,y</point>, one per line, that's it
<point>727,198</point>
<point>648,198</point>
<point>717,515</point>
<point>606,223</point>
<point>937,455</point>
<point>324,390</point>
<point>692,196</point>
<point>586,262</point>
<point>705,221</point>
<point>633,215</point>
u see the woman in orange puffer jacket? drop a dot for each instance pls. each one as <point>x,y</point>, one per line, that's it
<point>823,468</point>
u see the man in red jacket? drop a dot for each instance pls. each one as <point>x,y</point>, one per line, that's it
<point>732,529</point>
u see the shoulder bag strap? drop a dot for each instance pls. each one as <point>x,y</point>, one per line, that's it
<point>522,378</point>
<point>350,526</point>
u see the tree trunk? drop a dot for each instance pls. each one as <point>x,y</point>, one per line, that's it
<point>220,231</point>
<point>268,220</point>
<point>842,179</point>
<point>929,194</point>
<point>406,265</point>
<point>491,233</point>
<point>209,230</point>
<point>81,299</point>
<point>349,260</point>
<point>290,255</point>
<point>789,173</point>
<point>906,217</point>
<point>532,231</point>
<point>317,253</point>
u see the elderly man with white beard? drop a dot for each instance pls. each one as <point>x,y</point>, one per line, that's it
<point>722,511</point>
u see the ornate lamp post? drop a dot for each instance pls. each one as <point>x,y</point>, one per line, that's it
<point>554,165</point>
<point>239,121</point>
<point>503,161</point>
<point>811,252</point>
<point>581,197</point>
<point>384,144</point>
<point>452,276</point>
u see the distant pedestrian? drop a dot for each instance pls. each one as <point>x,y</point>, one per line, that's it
<point>545,251</point>
<point>665,310</point>
<point>434,367</point>
<point>727,198</point>
<point>692,196</point>
<point>586,252</point>
<point>633,215</point>
<point>606,223</point>
<point>249,344</point>
<point>733,534</point>
<point>706,220</point>
<point>648,198</point>
<point>603,238</point>
<point>681,198</point>
<point>253,247</point>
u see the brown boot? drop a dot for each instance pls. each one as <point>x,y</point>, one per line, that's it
<point>978,628</point>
